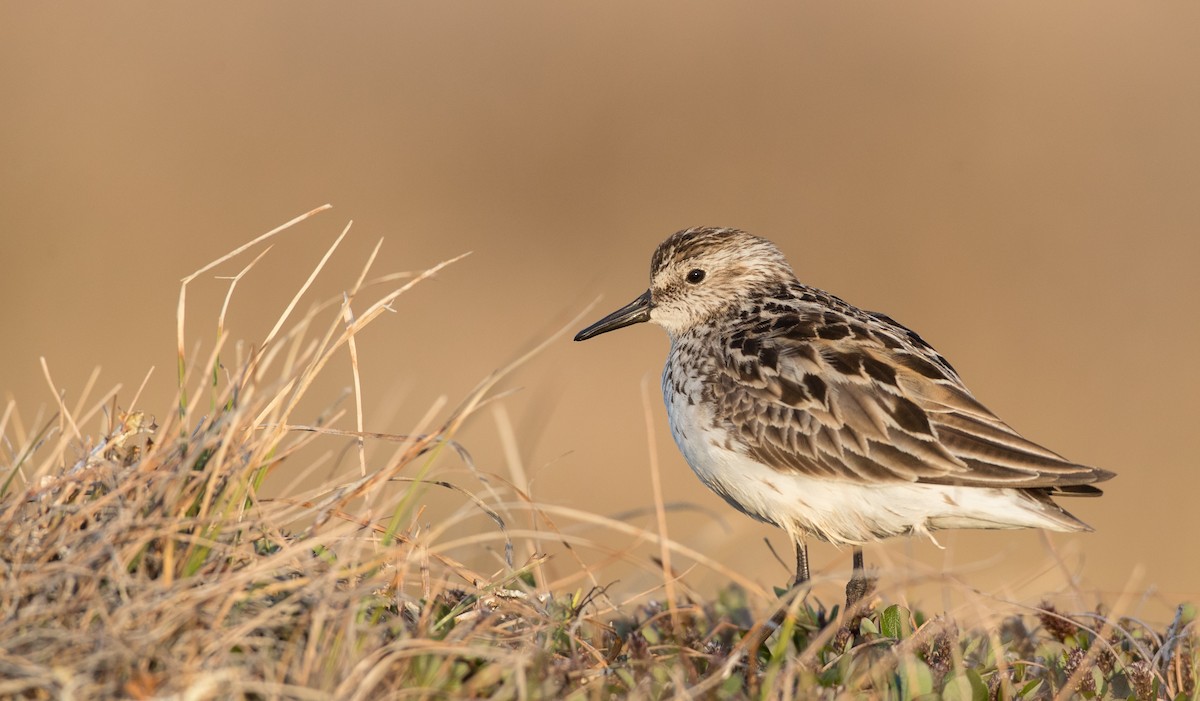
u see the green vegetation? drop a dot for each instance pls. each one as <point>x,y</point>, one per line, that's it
<point>146,562</point>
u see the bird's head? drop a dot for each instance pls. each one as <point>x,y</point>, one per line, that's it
<point>697,274</point>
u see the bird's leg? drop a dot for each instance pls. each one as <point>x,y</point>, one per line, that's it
<point>801,563</point>
<point>802,577</point>
<point>860,585</point>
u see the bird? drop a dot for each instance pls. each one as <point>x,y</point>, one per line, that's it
<point>828,421</point>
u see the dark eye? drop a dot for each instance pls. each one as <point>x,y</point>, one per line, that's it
<point>695,276</point>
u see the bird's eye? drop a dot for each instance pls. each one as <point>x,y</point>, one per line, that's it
<point>695,276</point>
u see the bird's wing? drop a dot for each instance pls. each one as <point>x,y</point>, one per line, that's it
<point>866,400</point>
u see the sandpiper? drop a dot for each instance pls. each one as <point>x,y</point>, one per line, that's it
<point>828,421</point>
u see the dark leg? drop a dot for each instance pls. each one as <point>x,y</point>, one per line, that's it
<point>801,563</point>
<point>860,585</point>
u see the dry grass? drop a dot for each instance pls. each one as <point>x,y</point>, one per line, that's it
<point>145,562</point>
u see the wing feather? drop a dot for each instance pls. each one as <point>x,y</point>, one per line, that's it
<point>872,402</point>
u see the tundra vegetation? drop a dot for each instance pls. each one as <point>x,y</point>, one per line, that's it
<point>142,557</point>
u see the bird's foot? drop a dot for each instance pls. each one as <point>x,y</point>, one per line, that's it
<point>859,591</point>
<point>861,586</point>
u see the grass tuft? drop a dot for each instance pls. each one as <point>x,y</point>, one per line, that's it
<point>146,560</point>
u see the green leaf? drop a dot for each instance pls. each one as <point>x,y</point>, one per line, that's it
<point>916,679</point>
<point>889,622</point>
<point>958,689</point>
<point>973,644</point>
<point>896,622</point>
<point>1187,613</point>
<point>979,689</point>
<point>1030,688</point>
<point>867,627</point>
<point>967,686</point>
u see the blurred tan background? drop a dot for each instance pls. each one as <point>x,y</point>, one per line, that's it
<point>1018,181</point>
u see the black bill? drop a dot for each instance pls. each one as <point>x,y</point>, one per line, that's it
<point>635,312</point>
